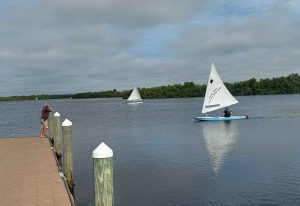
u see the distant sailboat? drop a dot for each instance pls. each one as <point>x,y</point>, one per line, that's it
<point>216,97</point>
<point>36,100</point>
<point>135,97</point>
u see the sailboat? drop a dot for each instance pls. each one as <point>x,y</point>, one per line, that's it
<point>216,97</point>
<point>135,97</point>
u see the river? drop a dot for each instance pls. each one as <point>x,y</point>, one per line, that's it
<point>162,157</point>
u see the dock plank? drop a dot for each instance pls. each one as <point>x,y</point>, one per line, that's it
<point>29,174</point>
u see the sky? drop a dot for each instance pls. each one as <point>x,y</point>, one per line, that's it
<point>71,46</point>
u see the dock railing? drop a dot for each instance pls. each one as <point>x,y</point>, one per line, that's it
<point>61,141</point>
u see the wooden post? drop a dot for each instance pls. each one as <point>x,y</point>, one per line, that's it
<point>50,126</point>
<point>103,175</point>
<point>57,134</point>
<point>68,153</point>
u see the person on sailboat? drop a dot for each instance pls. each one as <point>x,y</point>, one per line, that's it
<point>227,112</point>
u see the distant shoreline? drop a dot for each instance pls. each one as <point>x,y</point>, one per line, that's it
<point>281,85</point>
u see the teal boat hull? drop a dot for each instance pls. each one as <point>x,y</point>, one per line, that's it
<point>221,118</point>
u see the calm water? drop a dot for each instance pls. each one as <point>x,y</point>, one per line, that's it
<point>162,157</point>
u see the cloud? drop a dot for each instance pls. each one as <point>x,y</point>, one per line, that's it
<point>125,13</point>
<point>261,46</point>
<point>64,46</point>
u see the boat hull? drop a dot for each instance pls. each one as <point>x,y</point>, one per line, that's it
<point>221,118</point>
<point>134,102</point>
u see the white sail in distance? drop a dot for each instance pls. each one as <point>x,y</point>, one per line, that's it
<point>217,95</point>
<point>134,96</point>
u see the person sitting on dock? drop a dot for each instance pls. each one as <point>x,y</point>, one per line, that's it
<point>227,112</point>
<point>44,119</point>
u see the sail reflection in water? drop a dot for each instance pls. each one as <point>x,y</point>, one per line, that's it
<point>220,138</point>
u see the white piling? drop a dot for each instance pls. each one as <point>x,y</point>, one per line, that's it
<point>103,175</point>
<point>50,127</point>
<point>57,134</point>
<point>68,152</point>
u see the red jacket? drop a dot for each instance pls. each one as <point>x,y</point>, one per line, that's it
<point>45,112</point>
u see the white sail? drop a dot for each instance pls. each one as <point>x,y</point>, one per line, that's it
<point>134,96</point>
<point>217,95</point>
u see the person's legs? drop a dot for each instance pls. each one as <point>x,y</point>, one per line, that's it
<point>44,132</point>
<point>41,132</point>
<point>44,127</point>
<point>45,122</point>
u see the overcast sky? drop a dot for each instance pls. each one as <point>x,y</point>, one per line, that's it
<point>70,46</point>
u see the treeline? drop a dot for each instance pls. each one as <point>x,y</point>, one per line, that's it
<point>188,89</point>
<point>85,95</point>
<point>280,85</point>
<point>103,94</point>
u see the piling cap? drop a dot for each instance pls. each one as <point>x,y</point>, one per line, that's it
<point>102,151</point>
<point>56,114</point>
<point>67,123</point>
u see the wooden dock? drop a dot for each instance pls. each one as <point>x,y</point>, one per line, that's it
<point>29,174</point>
